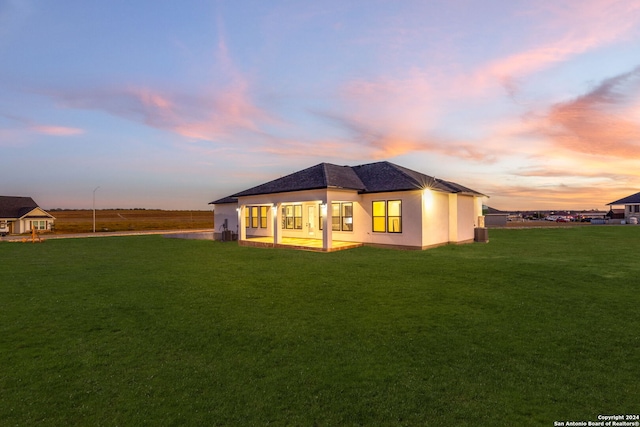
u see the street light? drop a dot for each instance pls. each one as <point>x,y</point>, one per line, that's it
<point>94,208</point>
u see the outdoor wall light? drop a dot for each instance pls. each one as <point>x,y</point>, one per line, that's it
<point>323,208</point>
<point>428,199</point>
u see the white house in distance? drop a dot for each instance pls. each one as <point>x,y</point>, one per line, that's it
<point>631,207</point>
<point>329,207</point>
<point>21,214</point>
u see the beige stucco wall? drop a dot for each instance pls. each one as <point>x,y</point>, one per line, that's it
<point>435,218</point>
<point>411,222</point>
<point>467,218</point>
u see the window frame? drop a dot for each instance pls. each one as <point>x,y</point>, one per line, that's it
<point>264,213</point>
<point>254,216</point>
<point>291,221</point>
<point>398,217</point>
<point>297,217</point>
<point>346,219</point>
<point>389,225</point>
<point>340,222</point>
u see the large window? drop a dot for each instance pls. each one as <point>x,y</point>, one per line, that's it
<point>256,216</point>
<point>292,217</point>
<point>39,225</point>
<point>387,216</point>
<point>342,216</point>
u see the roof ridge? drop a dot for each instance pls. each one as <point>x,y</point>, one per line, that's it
<point>403,170</point>
<point>324,173</point>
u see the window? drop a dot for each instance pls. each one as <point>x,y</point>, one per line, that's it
<point>394,216</point>
<point>39,225</point>
<point>292,217</point>
<point>297,217</point>
<point>263,216</point>
<point>380,216</point>
<point>335,216</point>
<point>341,216</point>
<point>254,217</point>
<point>387,216</point>
<point>347,217</point>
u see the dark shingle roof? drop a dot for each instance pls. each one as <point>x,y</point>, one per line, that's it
<point>16,207</point>
<point>224,200</point>
<point>629,200</point>
<point>387,176</point>
<point>324,175</point>
<point>369,178</point>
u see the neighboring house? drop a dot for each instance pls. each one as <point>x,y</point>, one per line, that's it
<point>21,214</point>
<point>330,207</point>
<point>631,207</point>
<point>494,217</point>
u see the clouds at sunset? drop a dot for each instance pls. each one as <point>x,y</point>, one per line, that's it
<point>207,117</point>
<point>537,104</point>
<point>600,122</point>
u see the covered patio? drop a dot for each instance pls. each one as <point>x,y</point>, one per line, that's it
<point>298,243</point>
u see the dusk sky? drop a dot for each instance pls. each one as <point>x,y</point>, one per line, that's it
<point>173,104</point>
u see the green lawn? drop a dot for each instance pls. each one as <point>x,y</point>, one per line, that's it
<point>536,326</point>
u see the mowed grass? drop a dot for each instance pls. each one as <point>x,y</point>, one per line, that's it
<point>536,326</point>
<point>81,221</point>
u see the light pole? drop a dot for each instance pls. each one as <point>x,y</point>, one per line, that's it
<point>94,208</point>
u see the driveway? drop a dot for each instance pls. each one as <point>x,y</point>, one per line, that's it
<point>187,234</point>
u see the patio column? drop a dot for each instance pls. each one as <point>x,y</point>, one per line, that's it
<point>327,226</point>
<point>277,220</point>
<point>243,226</point>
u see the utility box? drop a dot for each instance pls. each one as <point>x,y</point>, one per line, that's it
<point>227,236</point>
<point>481,235</point>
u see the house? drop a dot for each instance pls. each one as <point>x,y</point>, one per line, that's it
<point>631,208</point>
<point>329,207</point>
<point>21,214</point>
<point>494,217</point>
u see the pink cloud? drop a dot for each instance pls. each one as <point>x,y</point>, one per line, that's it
<point>208,116</point>
<point>383,140</point>
<point>600,122</point>
<point>563,33</point>
<point>57,130</point>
